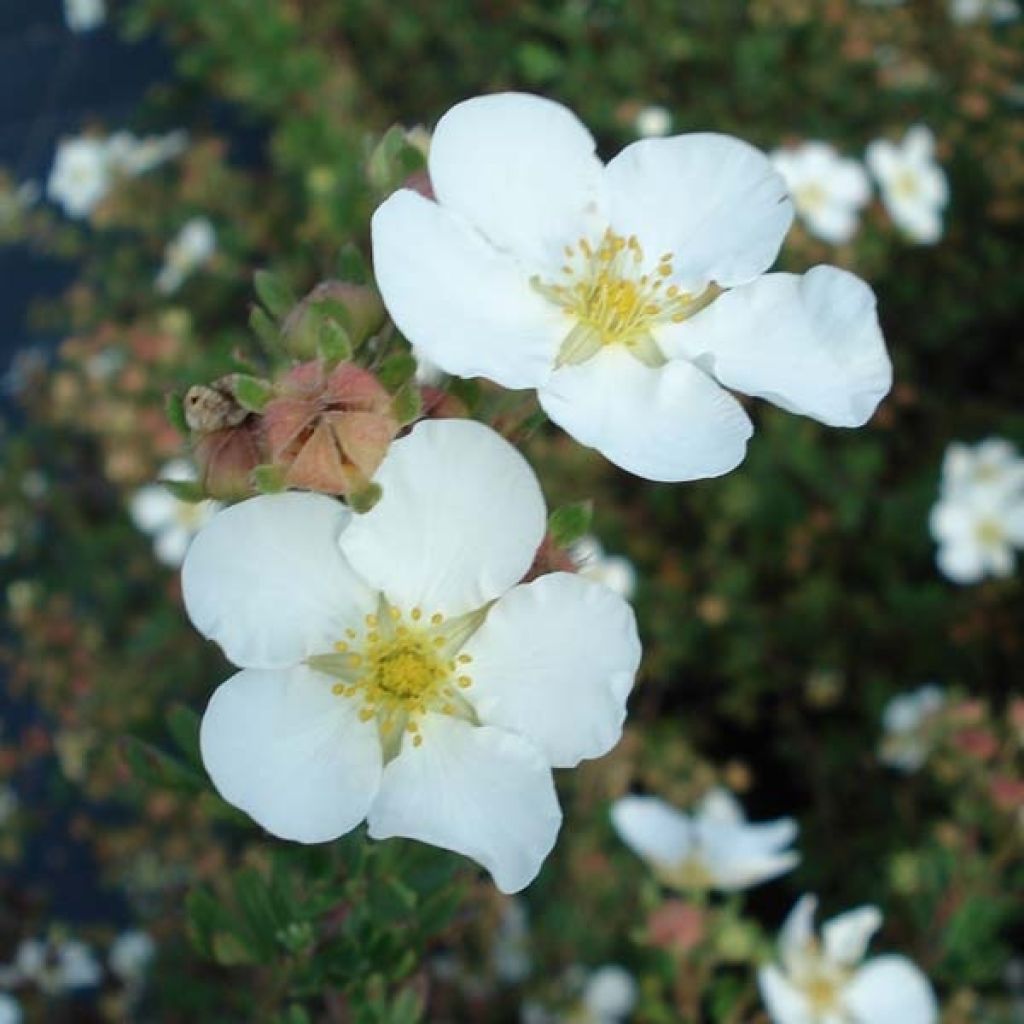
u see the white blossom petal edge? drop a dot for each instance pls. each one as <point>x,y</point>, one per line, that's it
<point>540,267</point>
<point>394,669</point>
<point>828,981</point>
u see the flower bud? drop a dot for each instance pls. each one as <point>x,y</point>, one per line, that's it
<point>363,316</point>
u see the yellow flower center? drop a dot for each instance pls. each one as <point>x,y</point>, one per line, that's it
<point>616,300</point>
<point>822,992</point>
<point>989,533</point>
<point>810,197</point>
<point>190,514</point>
<point>399,668</point>
<point>689,874</point>
<point>906,184</point>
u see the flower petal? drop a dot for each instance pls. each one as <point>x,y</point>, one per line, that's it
<point>785,1003</point>
<point>653,829</point>
<point>459,523</point>
<point>891,988</point>
<point>522,170</point>
<point>672,423</point>
<point>721,806</point>
<point>846,937</point>
<point>716,203</point>
<point>811,344</point>
<point>466,306</point>
<point>482,792</point>
<point>266,581</point>
<point>282,747</point>
<point>555,660</point>
<point>797,931</point>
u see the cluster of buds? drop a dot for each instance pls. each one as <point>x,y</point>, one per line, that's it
<point>319,423</point>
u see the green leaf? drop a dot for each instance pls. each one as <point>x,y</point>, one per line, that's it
<point>333,342</point>
<point>396,371</point>
<point>268,479</point>
<point>153,767</point>
<point>231,950</point>
<point>266,330</point>
<point>365,499</point>
<point>251,392</point>
<point>352,266</point>
<point>185,490</point>
<point>274,293</point>
<point>407,405</point>
<point>183,725</point>
<point>570,522</point>
<point>204,915</point>
<point>382,169</point>
<point>175,407</point>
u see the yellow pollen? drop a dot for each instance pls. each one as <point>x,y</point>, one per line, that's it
<point>338,689</point>
<point>341,647</point>
<point>465,659</point>
<point>417,614</point>
<point>989,533</point>
<point>437,618</point>
<point>822,993</point>
<point>371,621</point>
<point>614,301</point>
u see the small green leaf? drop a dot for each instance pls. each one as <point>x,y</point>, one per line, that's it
<point>407,405</point>
<point>230,951</point>
<point>266,330</point>
<point>570,522</point>
<point>183,725</point>
<point>397,370</point>
<point>185,490</point>
<point>175,406</point>
<point>274,292</point>
<point>352,266</point>
<point>365,499</point>
<point>251,392</point>
<point>333,342</point>
<point>268,479</point>
<point>155,768</point>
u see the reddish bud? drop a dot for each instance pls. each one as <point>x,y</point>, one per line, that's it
<point>676,926</point>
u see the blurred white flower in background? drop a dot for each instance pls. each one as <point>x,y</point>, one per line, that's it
<point>613,571</point>
<point>10,1010</point>
<point>914,186</point>
<point>609,995</point>
<point>130,955</point>
<point>393,667</point>
<point>192,247</point>
<point>828,981</point>
<point>510,953</point>
<point>713,848</point>
<point>81,175</point>
<point>84,15</point>
<point>55,966</point>
<point>828,190</point>
<point>653,122</point>
<point>630,296</point>
<point>978,520</point>
<point>906,720</point>
<point>171,522</point>
<point>85,167</point>
<point>964,12</point>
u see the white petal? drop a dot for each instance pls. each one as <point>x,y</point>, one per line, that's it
<point>459,523</point>
<point>891,988</point>
<point>810,344</point>
<point>716,203</point>
<point>721,806</point>
<point>734,869</point>
<point>171,545</point>
<point>466,306</point>
<point>555,661</point>
<point>653,829</point>
<point>673,423</point>
<point>282,747</point>
<point>797,931</point>
<point>482,792</point>
<point>266,581</point>
<point>962,561</point>
<point>610,994</point>
<point>847,936</point>
<point>521,169</point>
<point>785,1003</point>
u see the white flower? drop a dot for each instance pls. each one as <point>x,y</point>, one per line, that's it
<point>510,953</point>
<point>130,156</point>
<point>130,956</point>
<point>828,982</point>
<point>905,720</point>
<point>84,15</point>
<point>653,122</point>
<point>977,533</point>
<point>170,521</point>
<point>81,175</point>
<point>715,848</point>
<point>392,668</point>
<point>623,293</point>
<point>914,187</point>
<point>992,464</point>
<point>965,11</point>
<point>193,246</point>
<point>828,190</point>
<point>10,1010</point>
<point>609,995</point>
<point>613,571</point>
<point>55,967</point>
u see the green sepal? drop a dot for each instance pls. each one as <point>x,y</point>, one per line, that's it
<point>274,292</point>
<point>251,393</point>
<point>569,523</point>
